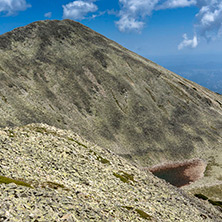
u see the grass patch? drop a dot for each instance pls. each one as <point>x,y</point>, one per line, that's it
<point>7,180</point>
<point>215,203</point>
<point>100,158</point>
<point>141,213</point>
<point>201,196</point>
<point>124,177</point>
<point>128,207</point>
<point>11,133</point>
<point>81,144</point>
<point>4,99</point>
<point>40,130</point>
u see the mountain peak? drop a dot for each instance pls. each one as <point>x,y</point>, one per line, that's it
<point>64,74</point>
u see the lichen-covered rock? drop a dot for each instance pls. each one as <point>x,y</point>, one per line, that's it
<point>48,174</point>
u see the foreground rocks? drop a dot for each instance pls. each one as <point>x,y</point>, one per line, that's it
<point>65,178</point>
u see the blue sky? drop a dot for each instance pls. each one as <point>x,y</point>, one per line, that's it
<point>149,27</point>
<point>152,28</point>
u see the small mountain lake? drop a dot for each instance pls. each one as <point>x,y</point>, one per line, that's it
<point>180,173</point>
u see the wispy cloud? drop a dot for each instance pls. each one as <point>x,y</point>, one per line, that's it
<point>190,43</point>
<point>79,9</point>
<point>48,14</point>
<point>176,4</point>
<point>11,7</point>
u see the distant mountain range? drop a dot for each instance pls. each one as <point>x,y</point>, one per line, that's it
<point>204,70</point>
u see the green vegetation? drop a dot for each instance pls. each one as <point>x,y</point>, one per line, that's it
<point>100,158</point>
<point>40,130</point>
<point>124,177</point>
<point>81,144</point>
<point>141,213</point>
<point>201,196</point>
<point>4,99</point>
<point>215,203</point>
<point>49,184</point>
<point>11,133</point>
<point>7,180</point>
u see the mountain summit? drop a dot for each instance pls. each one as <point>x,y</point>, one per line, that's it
<point>64,74</point>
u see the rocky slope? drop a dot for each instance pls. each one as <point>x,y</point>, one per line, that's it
<point>66,75</point>
<point>62,177</point>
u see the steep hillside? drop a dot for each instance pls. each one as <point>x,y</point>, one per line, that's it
<point>66,75</point>
<point>47,174</point>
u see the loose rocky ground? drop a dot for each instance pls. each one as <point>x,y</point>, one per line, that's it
<point>62,177</point>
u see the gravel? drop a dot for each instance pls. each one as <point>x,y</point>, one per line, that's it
<point>66,178</point>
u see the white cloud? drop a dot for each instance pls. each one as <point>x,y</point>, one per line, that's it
<point>11,7</point>
<point>79,9</point>
<point>176,4</point>
<point>48,14</point>
<point>127,23</point>
<point>208,22</point>
<point>209,18</point>
<point>133,14</point>
<point>190,43</point>
<point>98,15</point>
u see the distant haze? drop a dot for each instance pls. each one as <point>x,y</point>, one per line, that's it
<point>205,70</point>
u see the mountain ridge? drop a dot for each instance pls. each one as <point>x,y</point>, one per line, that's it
<point>66,75</point>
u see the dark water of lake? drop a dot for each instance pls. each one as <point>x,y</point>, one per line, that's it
<point>180,174</point>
